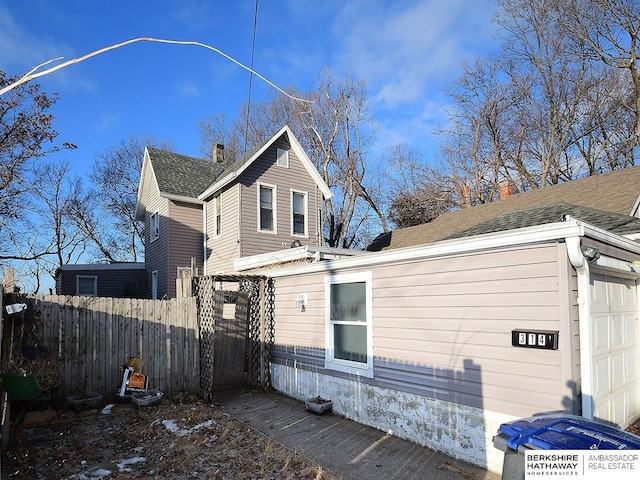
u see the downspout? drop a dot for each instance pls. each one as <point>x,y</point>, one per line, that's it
<point>584,313</point>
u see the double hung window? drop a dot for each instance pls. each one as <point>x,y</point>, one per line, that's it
<point>349,327</point>
<point>266,208</point>
<point>154,224</point>
<point>299,213</point>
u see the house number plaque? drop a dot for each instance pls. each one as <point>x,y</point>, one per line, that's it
<point>543,339</point>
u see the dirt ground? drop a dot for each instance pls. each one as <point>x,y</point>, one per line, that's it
<point>183,438</point>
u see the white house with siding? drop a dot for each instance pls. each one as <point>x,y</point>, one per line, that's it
<point>526,310</point>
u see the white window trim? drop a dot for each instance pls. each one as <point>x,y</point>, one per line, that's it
<point>274,200</point>
<point>282,158</point>
<point>347,366</point>
<point>154,285</point>
<point>154,230</point>
<point>217,204</point>
<point>95,285</point>
<point>306,213</point>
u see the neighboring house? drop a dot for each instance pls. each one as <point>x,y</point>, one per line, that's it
<point>485,315</point>
<point>204,214</point>
<point>614,192</point>
<point>102,280</point>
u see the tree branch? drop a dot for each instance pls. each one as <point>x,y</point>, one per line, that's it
<point>33,75</point>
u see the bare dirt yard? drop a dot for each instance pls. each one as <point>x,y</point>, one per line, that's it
<point>183,438</point>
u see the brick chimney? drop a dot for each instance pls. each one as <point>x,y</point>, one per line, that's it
<point>218,153</point>
<point>506,189</point>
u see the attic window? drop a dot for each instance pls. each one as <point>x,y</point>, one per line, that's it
<point>154,225</point>
<point>282,158</point>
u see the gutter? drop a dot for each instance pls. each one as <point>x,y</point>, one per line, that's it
<point>583,267</point>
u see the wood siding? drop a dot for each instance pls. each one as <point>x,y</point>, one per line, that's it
<point>442,327</point>
<point>91,337</point>
<point>223,249</point>
<point>265,170</point>
<point>185,241</point>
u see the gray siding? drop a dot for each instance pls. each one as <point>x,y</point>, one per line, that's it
<point>156,257</point>
<point>119,283</point>
<point>185,241</point>
<point>295,177</point>
<point>442,328</point>
<point>222,250</point>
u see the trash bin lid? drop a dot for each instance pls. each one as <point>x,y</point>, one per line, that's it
<point>566,432</point>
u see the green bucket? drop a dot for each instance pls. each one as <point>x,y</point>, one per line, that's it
<point>21,386</point>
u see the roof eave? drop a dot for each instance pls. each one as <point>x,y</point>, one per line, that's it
<point>558,231</point>
<point>146,163</point>
<point>297,148</point>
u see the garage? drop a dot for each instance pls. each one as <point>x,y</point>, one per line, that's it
<point>615,349</point>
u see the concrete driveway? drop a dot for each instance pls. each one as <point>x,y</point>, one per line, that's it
<point>345,448</point>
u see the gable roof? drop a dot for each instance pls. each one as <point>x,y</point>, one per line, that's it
<point>616,192</point>
<point>182,175</point>
<point>234,170</point>
<point>194,179</point>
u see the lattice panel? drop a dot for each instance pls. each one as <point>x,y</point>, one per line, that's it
<point>260,335</point>
<point>206,304</point>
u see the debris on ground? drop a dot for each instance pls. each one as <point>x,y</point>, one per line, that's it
<point>183,438</point>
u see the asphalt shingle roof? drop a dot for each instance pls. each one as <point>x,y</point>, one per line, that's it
<point>613,222</point>
<point>183,175</point>
<point>615,192</point>
<point>189,177</point>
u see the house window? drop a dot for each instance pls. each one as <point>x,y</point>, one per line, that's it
<point>154,285</point>
<point>349,319</point>
<point>266,207</point>
<point>282,158</point>
<point>217,216</point>
<point>155,226</point>
<point>299,213</point>
<point>87,285</point>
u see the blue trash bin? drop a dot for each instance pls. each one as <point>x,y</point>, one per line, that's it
<point>556,432</point>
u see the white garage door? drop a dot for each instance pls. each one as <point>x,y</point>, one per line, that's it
<point>615,349</point>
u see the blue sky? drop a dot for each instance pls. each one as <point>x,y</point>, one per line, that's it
<point>406,51</point>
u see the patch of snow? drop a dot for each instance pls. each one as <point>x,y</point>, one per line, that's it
<point>173,427</point>
<point>97,474</point>
<point>123,465</point>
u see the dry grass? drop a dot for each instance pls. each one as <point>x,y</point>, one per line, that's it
<point>95,446</point>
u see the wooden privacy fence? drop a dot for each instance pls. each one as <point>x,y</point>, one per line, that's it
<point>91,337</point>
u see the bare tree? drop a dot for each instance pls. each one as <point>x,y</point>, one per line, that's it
<point>53,197</point>
<point>609,31</point>
<point>420,191</point>
<point>215,130</point>
<point>337,132</point>
<point>26,134</point>
<point>535,114</point>
<point>106,212</point>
